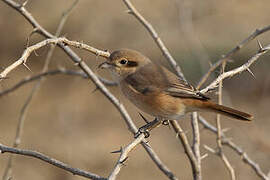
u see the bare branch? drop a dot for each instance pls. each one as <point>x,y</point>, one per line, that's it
<point>24,109</point>
<point>192,158</point>
<point>196,143</point>
<point>220,152</point>
<point>76,59</point>
<point>38,76</point>
<point>124,155</point>
<point>256,33</point>
<point>235,71</point>
<point>225,141</point>
<point>27,52</point>
<point>52,161</point>
<point>158,162</point>
<point>153,33</point>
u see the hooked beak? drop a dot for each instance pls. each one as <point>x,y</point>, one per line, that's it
<point>105,65</point>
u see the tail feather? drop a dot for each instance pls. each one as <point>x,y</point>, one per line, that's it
<point>229,112</point>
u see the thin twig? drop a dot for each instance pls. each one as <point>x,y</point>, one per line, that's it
<point>183,138</point>
<point>238,70</point>
<point>154,34</point>
<point>38,76</point>
<point>220,152</point>
<point>123,156</point>
<point>225,141</point>
<point>256,33</point>
<point>176,67</point>
<point>246,159</point>
<point>33,92</point>
<point>77,60</point>
<point>196,143</point>
<point>27,52</point>
<point>52,161</point>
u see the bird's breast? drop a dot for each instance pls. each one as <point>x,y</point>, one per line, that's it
<point>155,103</point>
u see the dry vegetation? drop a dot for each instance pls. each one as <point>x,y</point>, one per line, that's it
<point>69,121</point>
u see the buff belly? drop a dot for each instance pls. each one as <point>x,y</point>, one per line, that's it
<point>156,104</point>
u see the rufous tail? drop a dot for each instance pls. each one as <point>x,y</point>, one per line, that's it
<point>229,112</point>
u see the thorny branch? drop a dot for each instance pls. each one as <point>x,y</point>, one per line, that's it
<point>196,143</point>
<point>220,152</point>
<point>119,106</point>
<point>153,33</point>
<point>244,67</point>
<point>194,161</point>
<point>256,33</point>
<point>75,58</point>
<point>226,141</point>
<point>50,160</point>
<point>38,76</point>
<point>34,90</point>
<point>188,150</point>
<point>27,52</point>
<point>123,156</point>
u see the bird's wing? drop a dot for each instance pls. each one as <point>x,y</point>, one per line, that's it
<point>180,88</point>
<point>154,78</point>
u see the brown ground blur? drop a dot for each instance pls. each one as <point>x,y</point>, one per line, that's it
<point>70,123</point>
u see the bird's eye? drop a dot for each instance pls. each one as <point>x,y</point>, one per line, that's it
<point>123,61</point>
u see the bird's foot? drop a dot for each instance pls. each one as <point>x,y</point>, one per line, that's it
<point>145,129</point>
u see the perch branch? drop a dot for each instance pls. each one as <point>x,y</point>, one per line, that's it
<point>24,109</point>
<point>49,160</point>
<point>38,76</point>
<point>27,52</point>
<point>188,150</point>
<point>238,70</point>
<point>220,152</point>
<point>155,36</point>
<point>194,164</point>
<point>77,60</point>
<point>124,155</point>
<point>196,143</point>
<point>225,141</point>
<point>256,33</point>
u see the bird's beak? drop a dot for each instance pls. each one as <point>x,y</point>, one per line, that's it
<point>105,65</point>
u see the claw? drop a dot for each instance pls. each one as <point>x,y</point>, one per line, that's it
<point>142,130</point>
<point>147,128</point>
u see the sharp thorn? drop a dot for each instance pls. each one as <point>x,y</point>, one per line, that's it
<point>118,151</point>
<point>122,162</point>
<point>36,53</point>
<point>27,67</point>
<point>260,46</point>
<point>128,11</point>
<point>176,135</point>
<point>204,156</point>
<point>24,4</point>
<point>226,130</point>
<point>209,149</point>
<point>251,72</point>
<point>210,64</point>
<point>145,120</point>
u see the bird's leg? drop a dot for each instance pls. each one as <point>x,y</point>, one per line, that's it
<point>147,127</point>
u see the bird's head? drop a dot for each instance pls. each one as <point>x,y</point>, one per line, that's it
<point>124,62</point>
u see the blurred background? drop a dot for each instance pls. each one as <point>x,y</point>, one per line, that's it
<point>69,122</point>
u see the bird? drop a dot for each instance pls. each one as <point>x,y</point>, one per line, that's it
<point>157,91</point>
